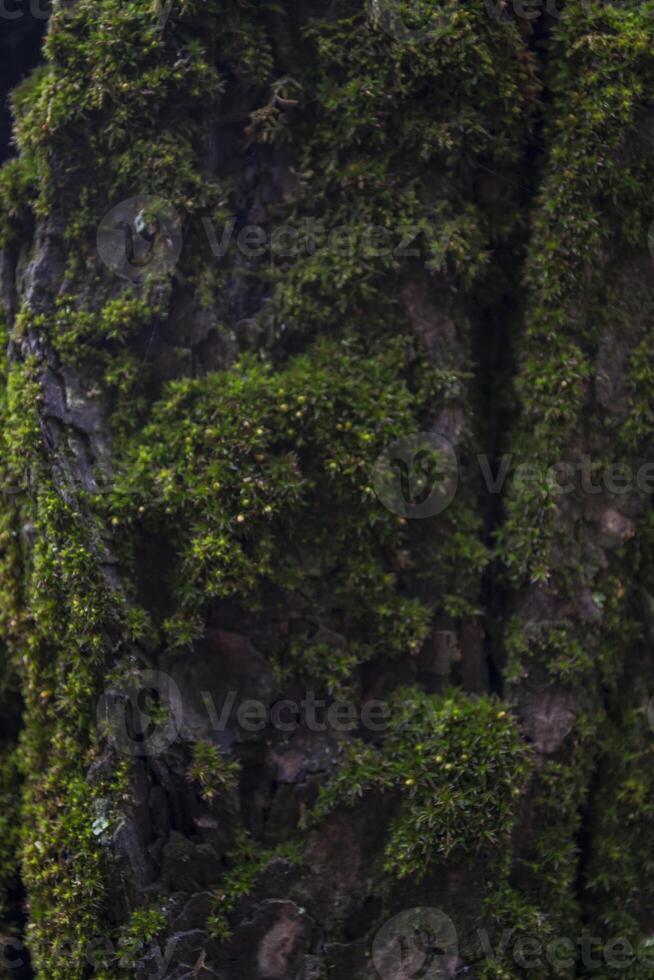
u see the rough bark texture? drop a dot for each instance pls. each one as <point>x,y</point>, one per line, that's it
<point>194,510</point>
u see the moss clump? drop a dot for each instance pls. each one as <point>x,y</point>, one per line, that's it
<point>143,927</point>
<point>557,646</point>
<point>103,346</point>
<point>260,477</point>
<point>60,665</point>
<point>118,91</point>
<point>64,861</point>
<point>18,190</point>
<point>592,216</point>
<point>589,281</point>
<point>460,766</point>
<point>212,771</point>
<point>639,426</point>
<point>618,873</point>
<point>262,480</point>
<point>14,620</point>
<point>519,923</point>
<point>79,336</point>
<point>376,134</point>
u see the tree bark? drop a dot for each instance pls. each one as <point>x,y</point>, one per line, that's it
<point>327,600</point>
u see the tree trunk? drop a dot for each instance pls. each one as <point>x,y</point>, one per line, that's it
<point>327,598</point>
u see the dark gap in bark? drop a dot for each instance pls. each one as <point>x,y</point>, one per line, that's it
<point>498,324</point>
<point>17,958</point>
<point>539,43</point>
<point>13,950</point>
<point>494,357</point>
<point>584,841</point>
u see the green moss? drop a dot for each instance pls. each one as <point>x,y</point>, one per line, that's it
<point>262,481</point>
<point>638,428</point>
<point>619,870</point>
<point>22,433</point>
<point>556,646</point>
<point>119,92</point>
<point>13,622</point>
<point>520,924</point>
<point>376,133</point>
<point>259,477</point>
<point>63,861</point>
<point>18,190</point>
<point>101,344</point>
<point>63,858</point>
<point>587,287</point>
<point>143,927</point>
<point>212,771</point>
<point>460,766</point>
<point>591,215</point>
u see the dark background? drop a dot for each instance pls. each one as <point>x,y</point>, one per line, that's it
<point>20,46</point>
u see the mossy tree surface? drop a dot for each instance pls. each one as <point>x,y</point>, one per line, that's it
<point>386,230</point>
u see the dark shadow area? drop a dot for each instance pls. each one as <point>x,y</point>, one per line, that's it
<point>14,956</point>
<point>22,26</point>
